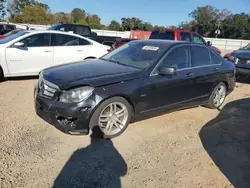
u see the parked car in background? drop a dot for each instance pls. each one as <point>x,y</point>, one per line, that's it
<point>181,35</point>
<point>11,33</point>
<point>230,57</point>
<point>85,30</point>
<point>121,41</point>
<point>28,52</point>
<point>242,62</point>
<point>5,28</point>
<point>140,78</point>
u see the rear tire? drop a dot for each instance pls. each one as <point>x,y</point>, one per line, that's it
<point>218,96</point>
<point>111,118</point>
<point>1,74</point>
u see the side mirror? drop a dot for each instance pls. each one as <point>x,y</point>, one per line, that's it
<point>167,71</point>
<point>18,45</point>
<point>209,43</point>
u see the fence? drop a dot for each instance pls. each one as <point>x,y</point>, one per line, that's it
<point>225,45</point>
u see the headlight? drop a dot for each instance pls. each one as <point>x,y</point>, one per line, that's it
<point>76,95</point>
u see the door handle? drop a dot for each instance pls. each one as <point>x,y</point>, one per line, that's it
<point>80,50</point>
<point>190,74</point>
<point>216,69</point>
<point>47,50</point>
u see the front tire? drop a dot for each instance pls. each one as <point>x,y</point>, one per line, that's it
<point>111,118</point>
<point>218,96</point>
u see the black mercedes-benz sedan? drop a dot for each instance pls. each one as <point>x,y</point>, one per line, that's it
<point>139,78</point>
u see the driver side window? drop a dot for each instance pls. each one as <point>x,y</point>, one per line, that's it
<point>38,40</point>
<point>178,58</point>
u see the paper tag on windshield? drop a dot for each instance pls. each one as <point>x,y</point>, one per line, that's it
<point>153,48</point>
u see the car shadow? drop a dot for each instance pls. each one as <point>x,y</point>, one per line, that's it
<point>97,165</point>
<point>227,141</point>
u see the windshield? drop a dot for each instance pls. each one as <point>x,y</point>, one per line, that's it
<point>167,35</point>
<point>247,47</point>
<point>12,37</point>
<point>136,54</point>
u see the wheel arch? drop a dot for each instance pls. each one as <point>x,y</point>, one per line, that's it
<point>1,73</point>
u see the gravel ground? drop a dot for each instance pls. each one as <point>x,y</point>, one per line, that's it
<point>197,147</point>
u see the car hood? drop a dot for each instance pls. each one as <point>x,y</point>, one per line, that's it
<point>241,54</point>
<point>89,72</point>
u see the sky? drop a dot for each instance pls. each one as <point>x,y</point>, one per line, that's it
<point>158,12</point>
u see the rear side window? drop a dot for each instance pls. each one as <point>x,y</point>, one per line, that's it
<point>200,56</point>
<point>214,59</point>
<point>10,27</point>
<point>83,42</point>
<point>167,35</point>
<point>178,58</point>
<point>198,39</point>
<point>66,40</point>
<point>185,36</point>
<point>82,30</point>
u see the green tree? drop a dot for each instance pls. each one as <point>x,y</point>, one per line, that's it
<point>94,21</point>
<point>114,25</point>
<point>78,14</point>
<point>205,19</point>
<point>35,14</point>
<point>2,9</point>
<point>60,17</point>
<point>236,26</point>
<point>157,27</point>
<point>147,26</point>
<point>132,24</point>
<point>186,26</point>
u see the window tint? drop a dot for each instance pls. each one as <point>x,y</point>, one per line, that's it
<point>10,27</point>
<point>37,40</point>
<point>214,59</point>
<point>178,58</point>
<point>66,40</point>
<point>82,30</point>
<point>198,39</point>
<point>1,27</point>
<point>200,56</point>
<point>168,35</point>
<point>83,42</point>
<point>185,36</point>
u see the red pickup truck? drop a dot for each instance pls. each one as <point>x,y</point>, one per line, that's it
<point>180,35</point>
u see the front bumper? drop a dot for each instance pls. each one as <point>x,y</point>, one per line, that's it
<point>242,71</point>
<point>68,118</point>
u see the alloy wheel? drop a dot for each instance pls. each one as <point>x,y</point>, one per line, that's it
<point>219,95</point>
<point>113,118</point>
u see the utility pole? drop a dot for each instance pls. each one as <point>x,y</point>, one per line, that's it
<point>218,27</point>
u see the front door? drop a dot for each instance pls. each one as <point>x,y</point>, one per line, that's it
<point>172,90</point>
<point>68,48</point>
<point>35,55</point>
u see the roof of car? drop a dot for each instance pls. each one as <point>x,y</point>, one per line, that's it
<point>159,41</point>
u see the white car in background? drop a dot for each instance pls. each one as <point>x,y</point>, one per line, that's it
<point>26,53</point>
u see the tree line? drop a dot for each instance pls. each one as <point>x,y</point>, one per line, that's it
<point>206,20</point>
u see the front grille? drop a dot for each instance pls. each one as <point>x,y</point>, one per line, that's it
<point>242,61</point>
<point>47,89</point>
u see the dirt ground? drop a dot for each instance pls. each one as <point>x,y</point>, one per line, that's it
<point>192,148</point>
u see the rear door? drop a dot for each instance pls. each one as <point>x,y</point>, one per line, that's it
<point>207,68</point>
<point>68,48</point>
<point>36,55</point>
